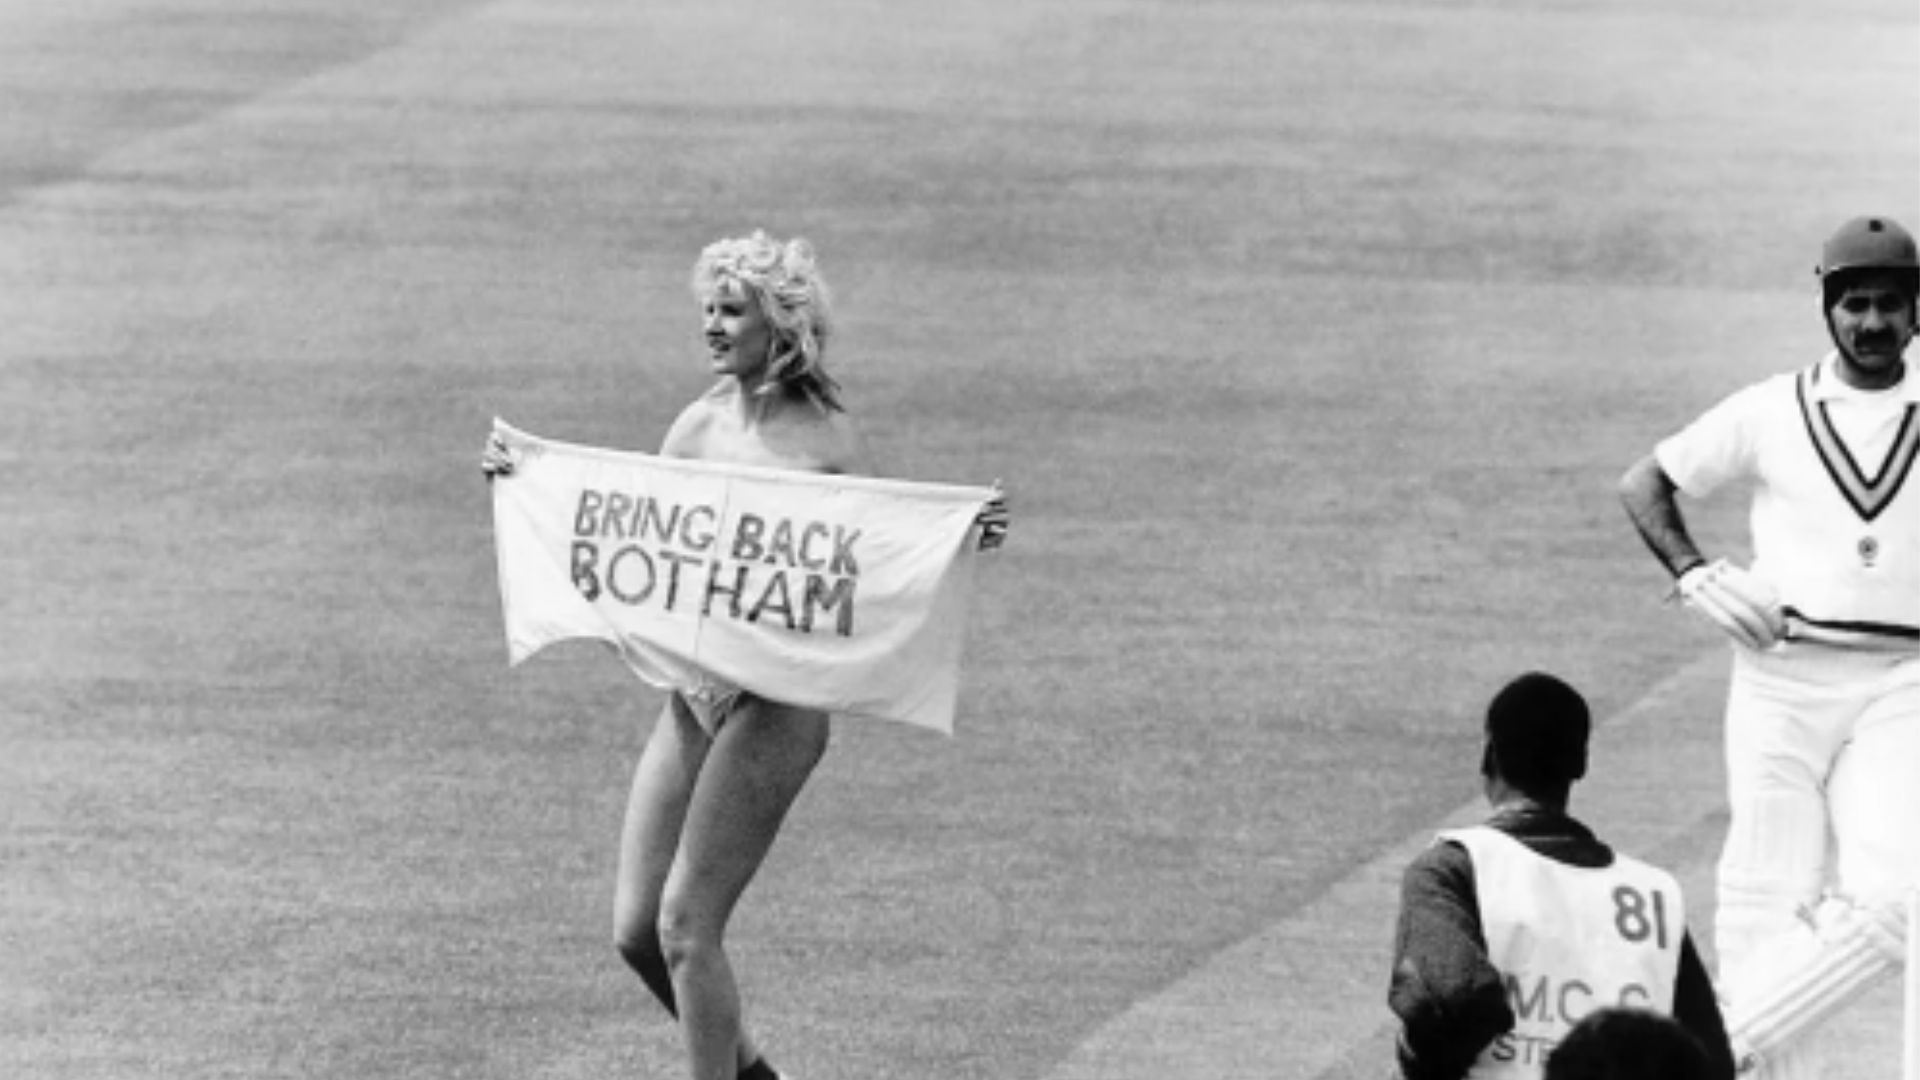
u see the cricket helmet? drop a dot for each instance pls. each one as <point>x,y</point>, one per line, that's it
<point>1867,243</point>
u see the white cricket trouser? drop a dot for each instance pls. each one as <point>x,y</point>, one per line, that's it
<point>1821,742</point>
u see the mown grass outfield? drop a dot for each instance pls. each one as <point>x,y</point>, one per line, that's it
<point>1308,338</point>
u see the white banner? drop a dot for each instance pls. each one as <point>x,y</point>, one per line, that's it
<point>842,593</point>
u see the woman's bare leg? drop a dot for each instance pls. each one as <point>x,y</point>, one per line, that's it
<point>755,769</point>
<point>663,783</point>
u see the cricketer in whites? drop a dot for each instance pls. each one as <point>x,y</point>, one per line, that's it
<point>1823,709</point>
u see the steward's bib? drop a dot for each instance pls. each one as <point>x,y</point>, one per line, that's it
<point>1569,940</point>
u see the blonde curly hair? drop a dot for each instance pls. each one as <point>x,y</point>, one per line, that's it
<point>784,280</point>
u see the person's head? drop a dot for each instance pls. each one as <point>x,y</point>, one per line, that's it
<point>1628,1044</point>
<point>1869,283</point>
<point>1536,740</point>
<point>767,315</point>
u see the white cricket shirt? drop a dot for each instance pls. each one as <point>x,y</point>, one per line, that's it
<point>1836,510</point>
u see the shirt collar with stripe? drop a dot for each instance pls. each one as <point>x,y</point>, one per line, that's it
<point>1827,385</point>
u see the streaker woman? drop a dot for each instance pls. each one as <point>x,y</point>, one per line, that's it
<point>723,765</point>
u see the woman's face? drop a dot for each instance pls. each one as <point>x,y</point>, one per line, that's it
<point>739,337</point>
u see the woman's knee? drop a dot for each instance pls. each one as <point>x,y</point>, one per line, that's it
<point>636,932</point>
<point>684,933</point>
<point>638,944</point>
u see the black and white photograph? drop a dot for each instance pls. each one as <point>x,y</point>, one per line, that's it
<point>992,540</point>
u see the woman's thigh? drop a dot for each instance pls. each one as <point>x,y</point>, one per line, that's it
<point>663,784</point>
<point>760,760</point>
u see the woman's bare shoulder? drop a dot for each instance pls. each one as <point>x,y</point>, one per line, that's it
<point>687,436</point>
<point>795,435</point>
<point>813,438</point>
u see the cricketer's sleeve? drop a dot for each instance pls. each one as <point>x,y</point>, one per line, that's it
<point>1718,446</point>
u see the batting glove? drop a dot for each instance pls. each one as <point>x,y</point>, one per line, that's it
<point>1740,604</point>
